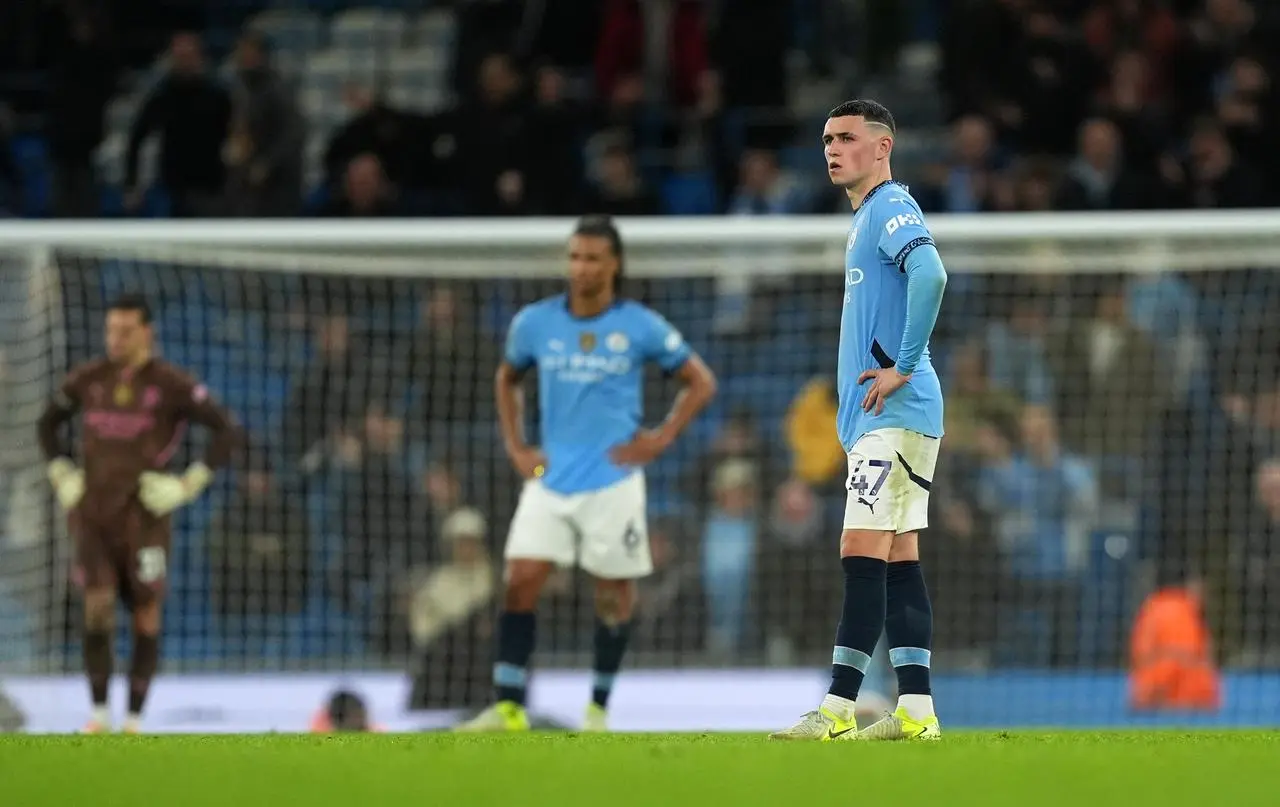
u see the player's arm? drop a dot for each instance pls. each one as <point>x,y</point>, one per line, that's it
<point>509,394</point>
<point>926,280</point>
<point>66,478</point>
<point>907,243</point>
<point>697,388</point>
<point>162,493</point>
<point>664,346</point>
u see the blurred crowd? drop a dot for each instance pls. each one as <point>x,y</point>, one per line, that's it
<point>1106,434</point>
<point>500,107</point>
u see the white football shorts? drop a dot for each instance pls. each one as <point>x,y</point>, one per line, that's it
<point>890,473</point>
<point>602,531</point>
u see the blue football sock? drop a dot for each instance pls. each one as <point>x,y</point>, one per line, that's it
<point>909,627</point>
<point>861,623</point>
<point>515,646</point>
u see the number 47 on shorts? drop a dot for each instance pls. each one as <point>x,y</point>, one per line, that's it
<point>867,477</point>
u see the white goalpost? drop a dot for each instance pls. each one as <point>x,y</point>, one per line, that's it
<point>1110,383</point>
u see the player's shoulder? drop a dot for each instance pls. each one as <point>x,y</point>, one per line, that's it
<point>893,199</point>
<point>170,375</point>
<point>92,370</point>
<point>540,310</point>
<point>636,311</point>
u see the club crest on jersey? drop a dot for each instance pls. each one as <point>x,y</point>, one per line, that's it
<point>587,341</point>
<point>617,342</point>
<point>123,395</point>
<point>853,236</point>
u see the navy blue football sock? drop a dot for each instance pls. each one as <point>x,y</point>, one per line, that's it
<point>610,645</point>
<point>908,626</point>
<point>861,623</point>
<point>515,646</point>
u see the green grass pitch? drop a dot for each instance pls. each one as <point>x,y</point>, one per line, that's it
<point>1030,769</point>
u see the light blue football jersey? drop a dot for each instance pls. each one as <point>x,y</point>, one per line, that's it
<point>590,382</point>
<point>886,228</point>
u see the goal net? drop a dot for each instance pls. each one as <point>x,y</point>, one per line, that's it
<point>1113,407</point>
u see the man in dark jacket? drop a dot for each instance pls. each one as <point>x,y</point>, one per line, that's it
<point>191,114</point>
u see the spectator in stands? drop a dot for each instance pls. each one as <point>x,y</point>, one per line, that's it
<point>1141,116</point>
<point>1046,84</point>
<point>405,142</point>
<point>366,192</point>
<point>1015,348</point>
<point>485,27</point>
<point>381,541</point>
<point>791,583</point>
<point>1213,176</point>
<point>1030,186</point>
<point>448,616</point>
<point>268,135</point>
<point>258,546</point>
<point>1249,108</point>
<point>616,187</point>
<point>671,594</point>
<point>81,83</point>
<point>559,123</point>
<point>738,439</point>
<point>764,189</point>
<point>973,401</point>
<point>325,401</point>
<point>1098,179</point>
<point>968,183</point>
<point>1113,384</point>
<point>493,139</point>
<point>817,458</point>
<point>191,114</point>
<point>729,547</point>
<point>1148,26</point>
<point>451,362</point>
<point>664,42</point>
<point>1257,566</point>
<point>1223,30</point>
<point>1042,501</point>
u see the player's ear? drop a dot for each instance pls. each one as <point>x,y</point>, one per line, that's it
<point>885,147</point>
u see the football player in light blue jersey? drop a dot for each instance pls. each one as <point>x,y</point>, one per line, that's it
<point>583,500</point>
<point>890,423</point>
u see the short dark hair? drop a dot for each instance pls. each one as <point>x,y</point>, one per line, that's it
<point>602,226</point>
<point>133,302</point>
<point>347,712</point>
<point>870,111</point>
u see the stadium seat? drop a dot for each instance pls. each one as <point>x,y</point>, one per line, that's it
<point>435,29</point>
<point>290,30</point>
<point>689,194</point>
<point>329,70</point>
<point>366,30</point>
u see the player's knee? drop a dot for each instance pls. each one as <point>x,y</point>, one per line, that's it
<point>866,544</point>
<point>906,547</point>
<point>99,611</point>
<point>524,581</point>
<point>615,600</point>
<point>146,619</point>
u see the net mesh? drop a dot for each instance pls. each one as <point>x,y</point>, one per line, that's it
<point>1112,420</point>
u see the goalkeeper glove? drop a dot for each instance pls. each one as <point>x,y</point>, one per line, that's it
<point>163,493</point>
<point>67,481</point>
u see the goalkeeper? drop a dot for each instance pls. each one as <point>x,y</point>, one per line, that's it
<point>134,409</point>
